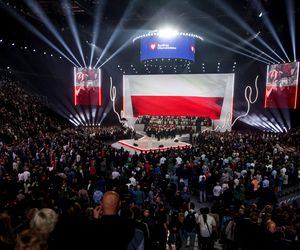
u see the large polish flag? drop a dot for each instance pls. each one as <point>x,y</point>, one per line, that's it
<point>201,95</point>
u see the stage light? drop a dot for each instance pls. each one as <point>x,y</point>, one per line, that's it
<point>264,60</point>
<point>257,34</point>
<point>168,32</point>
<point>12,44</point>
<point>51,55</point>
<point>290,4</point>
<point>45,53</point>
<point>96,26</point>
<point>67,8</point>
<point>32,29</point>
<point>240,21</point>
<point>260,14</point>
<point>1,40</point>
<point>36,8</point>
<point>8,67</point>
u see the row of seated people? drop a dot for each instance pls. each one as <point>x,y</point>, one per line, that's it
<point>167,131</point>
<point>174,120</point>
<point>168,120</point>
<point>69,170</point>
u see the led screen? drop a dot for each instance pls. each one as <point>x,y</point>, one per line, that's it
<point>154,47</point>
<point>87,87</point>
<point>282,85</point>
<point>198,95</point>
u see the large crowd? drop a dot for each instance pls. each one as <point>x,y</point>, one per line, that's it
<point>67,188</point>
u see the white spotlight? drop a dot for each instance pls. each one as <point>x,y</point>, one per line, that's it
<point>260,14</point>
<point>167,32</point>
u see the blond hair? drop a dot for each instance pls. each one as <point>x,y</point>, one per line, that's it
<point>44,221</point>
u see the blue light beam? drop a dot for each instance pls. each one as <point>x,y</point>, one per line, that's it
<point>66,7</point>
<point>96,27</point>
<point>32,29</point>
<point>36,8</point>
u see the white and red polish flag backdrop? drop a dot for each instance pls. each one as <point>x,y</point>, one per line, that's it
<point>282,85</point>
<point>199,95</point>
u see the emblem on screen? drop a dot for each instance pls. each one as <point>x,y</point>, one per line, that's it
<point>153,46</point>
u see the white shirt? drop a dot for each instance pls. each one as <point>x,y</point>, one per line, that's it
<point>178,160</point>
<point>115,175</point>
<point>217,190</point>
<point>132,181</point>
<point>206,228</point>
<point>162,160</point>
<point>26,175</point>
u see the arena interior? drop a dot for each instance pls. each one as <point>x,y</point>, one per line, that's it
<point>163,124</point>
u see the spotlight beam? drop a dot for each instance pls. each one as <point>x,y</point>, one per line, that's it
<point>244,25</point>
<point>228,31</point>
<point>32,29</point>
<point>36,8</point>
<point>117,30</point>
<point>96,27</point>
<point>66,7</point>
<point>236,51</point>
<point>128,42</point>
<point>270,26</point>
<point>291,19</point>
<point>232,44</point>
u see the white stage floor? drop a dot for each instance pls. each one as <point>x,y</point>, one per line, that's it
<point>147,144</point>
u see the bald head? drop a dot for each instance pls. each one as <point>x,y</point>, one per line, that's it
<point>110,203</point>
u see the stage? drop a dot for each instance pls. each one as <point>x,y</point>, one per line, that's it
<point>147,144</point>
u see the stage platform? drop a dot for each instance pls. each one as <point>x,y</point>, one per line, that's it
<point>146,144</point>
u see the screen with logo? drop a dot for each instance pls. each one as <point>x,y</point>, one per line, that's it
<point>282,85</point>
<point>155,47</point>
<point>87,87</point>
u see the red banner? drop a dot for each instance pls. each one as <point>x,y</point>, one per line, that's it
<point>87,87</point>
<point>282,86</point>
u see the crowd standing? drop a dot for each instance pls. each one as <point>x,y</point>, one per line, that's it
<point>67,188</point>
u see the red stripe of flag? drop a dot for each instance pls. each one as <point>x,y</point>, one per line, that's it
<point>177,106</point>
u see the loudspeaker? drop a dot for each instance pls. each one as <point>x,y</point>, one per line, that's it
<point>161,146</point>
<point>136,145</point>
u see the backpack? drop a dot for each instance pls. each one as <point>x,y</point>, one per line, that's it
<point>190,222</point>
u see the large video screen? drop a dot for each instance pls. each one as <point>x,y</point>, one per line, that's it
<point>156,47</point>
<point>197,95</point>
<point>87,87</point>
<point>282,85</point>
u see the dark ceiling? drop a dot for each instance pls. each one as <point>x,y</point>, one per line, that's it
<point>123,20</point>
